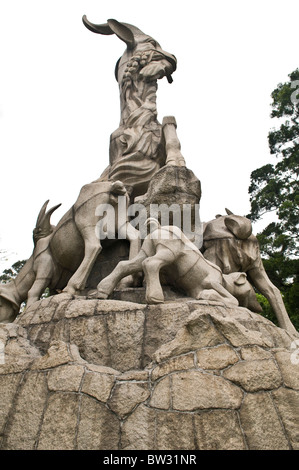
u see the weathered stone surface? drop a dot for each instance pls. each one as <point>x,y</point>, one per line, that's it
<point>289,371</point>
<point>218,357</point>
<point>276,336</point>
<point>162,323</point>
<point>237,334</point>
<point>183,362</point>
<point>125,339</point>
<point>105,307</point>
<point>42,335</point>
<point>252,353</point>
<point>261,424</point>
<point>57,354</point>
<point>174,431</point>
<point>26,415</point>
<point>79,307</point>
<point>255,375</point>
<point>219,430</point>
<point>57,433</point>
<point>196,390</point>
<point>141,375</point>
<point>287,402</point>
<point>98,427</point>
<point>8,387</point>
<point>98,385</point>
<point>161,397</point>
<point>63,301</point>
<point>126,396</point>
<point>44,314</point>
<point>66,378</point>
<point>138,431</point>
<point>17,353</point>
<point>198,332</point>
<point>73,384</point>
<point>193,390</point>
<point>102,369</point>
<point>90,335</point>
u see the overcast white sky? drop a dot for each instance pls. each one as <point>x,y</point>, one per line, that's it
<point>59,100</point>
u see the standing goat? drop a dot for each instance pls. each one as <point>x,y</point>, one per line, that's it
<point>230,244</point>
<point>64,256</point>
<point>137,147</point>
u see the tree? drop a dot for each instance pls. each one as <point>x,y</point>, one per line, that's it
<point>11,273</point>
<point>275,188</point>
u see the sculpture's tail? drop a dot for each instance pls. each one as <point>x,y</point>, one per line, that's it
<point>43,227</point>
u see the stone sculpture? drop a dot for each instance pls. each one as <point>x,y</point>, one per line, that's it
<point>186,268</point>
<point>230,244</point>
<point>64,255</point>
<point>145,162</point>
<point>79,371</point>
<point>137,147</point>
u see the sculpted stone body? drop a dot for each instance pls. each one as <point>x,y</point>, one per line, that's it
<point>78,373</point>
<point>185,267</point>
<point>137,147</point>
<point>230,244</point>
<point>64,255</point>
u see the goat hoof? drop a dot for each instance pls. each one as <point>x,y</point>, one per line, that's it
<point>92,294</point>
<point>101,295</point>
<point>153,300</point>
<point>69,290</point>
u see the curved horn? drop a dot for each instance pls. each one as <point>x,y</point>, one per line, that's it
<point>97,28</point>
<point>123,32</point>
<point>42,213</point>
<point>229,212</point>
<point>49,213</point>
<point>43,227</point>
<point>112,27</point>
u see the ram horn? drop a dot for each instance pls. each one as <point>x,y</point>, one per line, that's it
<point>123,31</point>
<point>229,212</point>
<point>97,28</point>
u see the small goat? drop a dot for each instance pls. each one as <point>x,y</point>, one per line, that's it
<point>168,248</point>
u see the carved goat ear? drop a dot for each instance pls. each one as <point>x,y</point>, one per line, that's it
<point>228,212</point>
<point>240,279</point>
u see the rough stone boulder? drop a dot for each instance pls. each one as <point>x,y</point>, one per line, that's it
<point>90,374</point>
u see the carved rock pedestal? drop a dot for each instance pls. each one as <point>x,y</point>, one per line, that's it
<point>178,189</point>
<point>91,374</point>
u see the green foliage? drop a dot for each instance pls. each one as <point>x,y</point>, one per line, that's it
<point>267,309</point>
<point>275,188</point>
<point>11,273</point>
<point>291,301</point>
